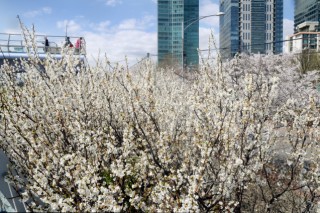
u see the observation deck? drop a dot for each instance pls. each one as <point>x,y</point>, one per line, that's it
<point>13,46</point>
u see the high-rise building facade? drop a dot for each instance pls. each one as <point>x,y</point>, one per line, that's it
<point>306,11</point>
<point>251,26</point>
<point>178,31</point>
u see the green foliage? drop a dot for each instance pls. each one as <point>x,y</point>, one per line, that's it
<point>308,60</point>
<point>107,177</point>
<point>129,181</point>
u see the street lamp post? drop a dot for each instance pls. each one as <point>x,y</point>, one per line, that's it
<point>184,28</point>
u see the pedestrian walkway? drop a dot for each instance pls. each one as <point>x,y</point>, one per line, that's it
<point>9,200</point>
<point>15,46</point>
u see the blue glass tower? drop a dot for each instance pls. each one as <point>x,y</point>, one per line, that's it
<point>251,26</point>
<point>177,40</point>
<point>229,29</point>
<point>306,10</point>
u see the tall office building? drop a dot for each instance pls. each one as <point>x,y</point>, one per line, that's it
<point>251,26</point>
<point>178,31</point>
<point>306,11</point>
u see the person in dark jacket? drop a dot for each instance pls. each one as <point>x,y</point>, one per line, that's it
<point>68,42</point>
<point>46,44</point>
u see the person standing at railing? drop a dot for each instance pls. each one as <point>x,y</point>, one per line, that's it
<point>68,42</point>
<point>46,44</point>
<point>79,45</point>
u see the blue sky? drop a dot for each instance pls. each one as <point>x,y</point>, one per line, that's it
<point>117,28</point>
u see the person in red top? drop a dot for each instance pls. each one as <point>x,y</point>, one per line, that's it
<point>79,44</point>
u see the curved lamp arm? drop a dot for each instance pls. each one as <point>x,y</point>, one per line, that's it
<point>202,17</point>
<point>186,27</point>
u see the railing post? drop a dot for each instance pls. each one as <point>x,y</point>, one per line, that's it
<point>8,45</point>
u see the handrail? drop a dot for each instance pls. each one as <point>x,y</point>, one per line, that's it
<point>15,43</point>
<point>41,35</point>
<point>5,206</point>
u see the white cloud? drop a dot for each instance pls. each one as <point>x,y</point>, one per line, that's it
<point>207,7</point>
<point>101,26</point>
<point>113,2</point>
<point>209,39</point>
<point>12,31</point>
<point>133,44</point>
<point>130,38</point>
<point>287,27</point>
<point>209,28</point>
<point>34,13</point>
<point>128,24</point>
<point>70,25</point>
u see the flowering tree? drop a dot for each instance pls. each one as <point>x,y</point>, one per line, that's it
<point>239,136</point>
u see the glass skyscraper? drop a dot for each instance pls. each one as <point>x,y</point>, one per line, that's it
<point>178,32</point>
<point>306,10</point>
<point>251,26</point>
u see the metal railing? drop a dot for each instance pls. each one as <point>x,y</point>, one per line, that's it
<point>5,206</point>
<point>15,43</point>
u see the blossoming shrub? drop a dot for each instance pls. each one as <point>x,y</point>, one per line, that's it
<point>241,136</point>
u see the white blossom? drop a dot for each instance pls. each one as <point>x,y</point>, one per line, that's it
<point>238,134</point>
